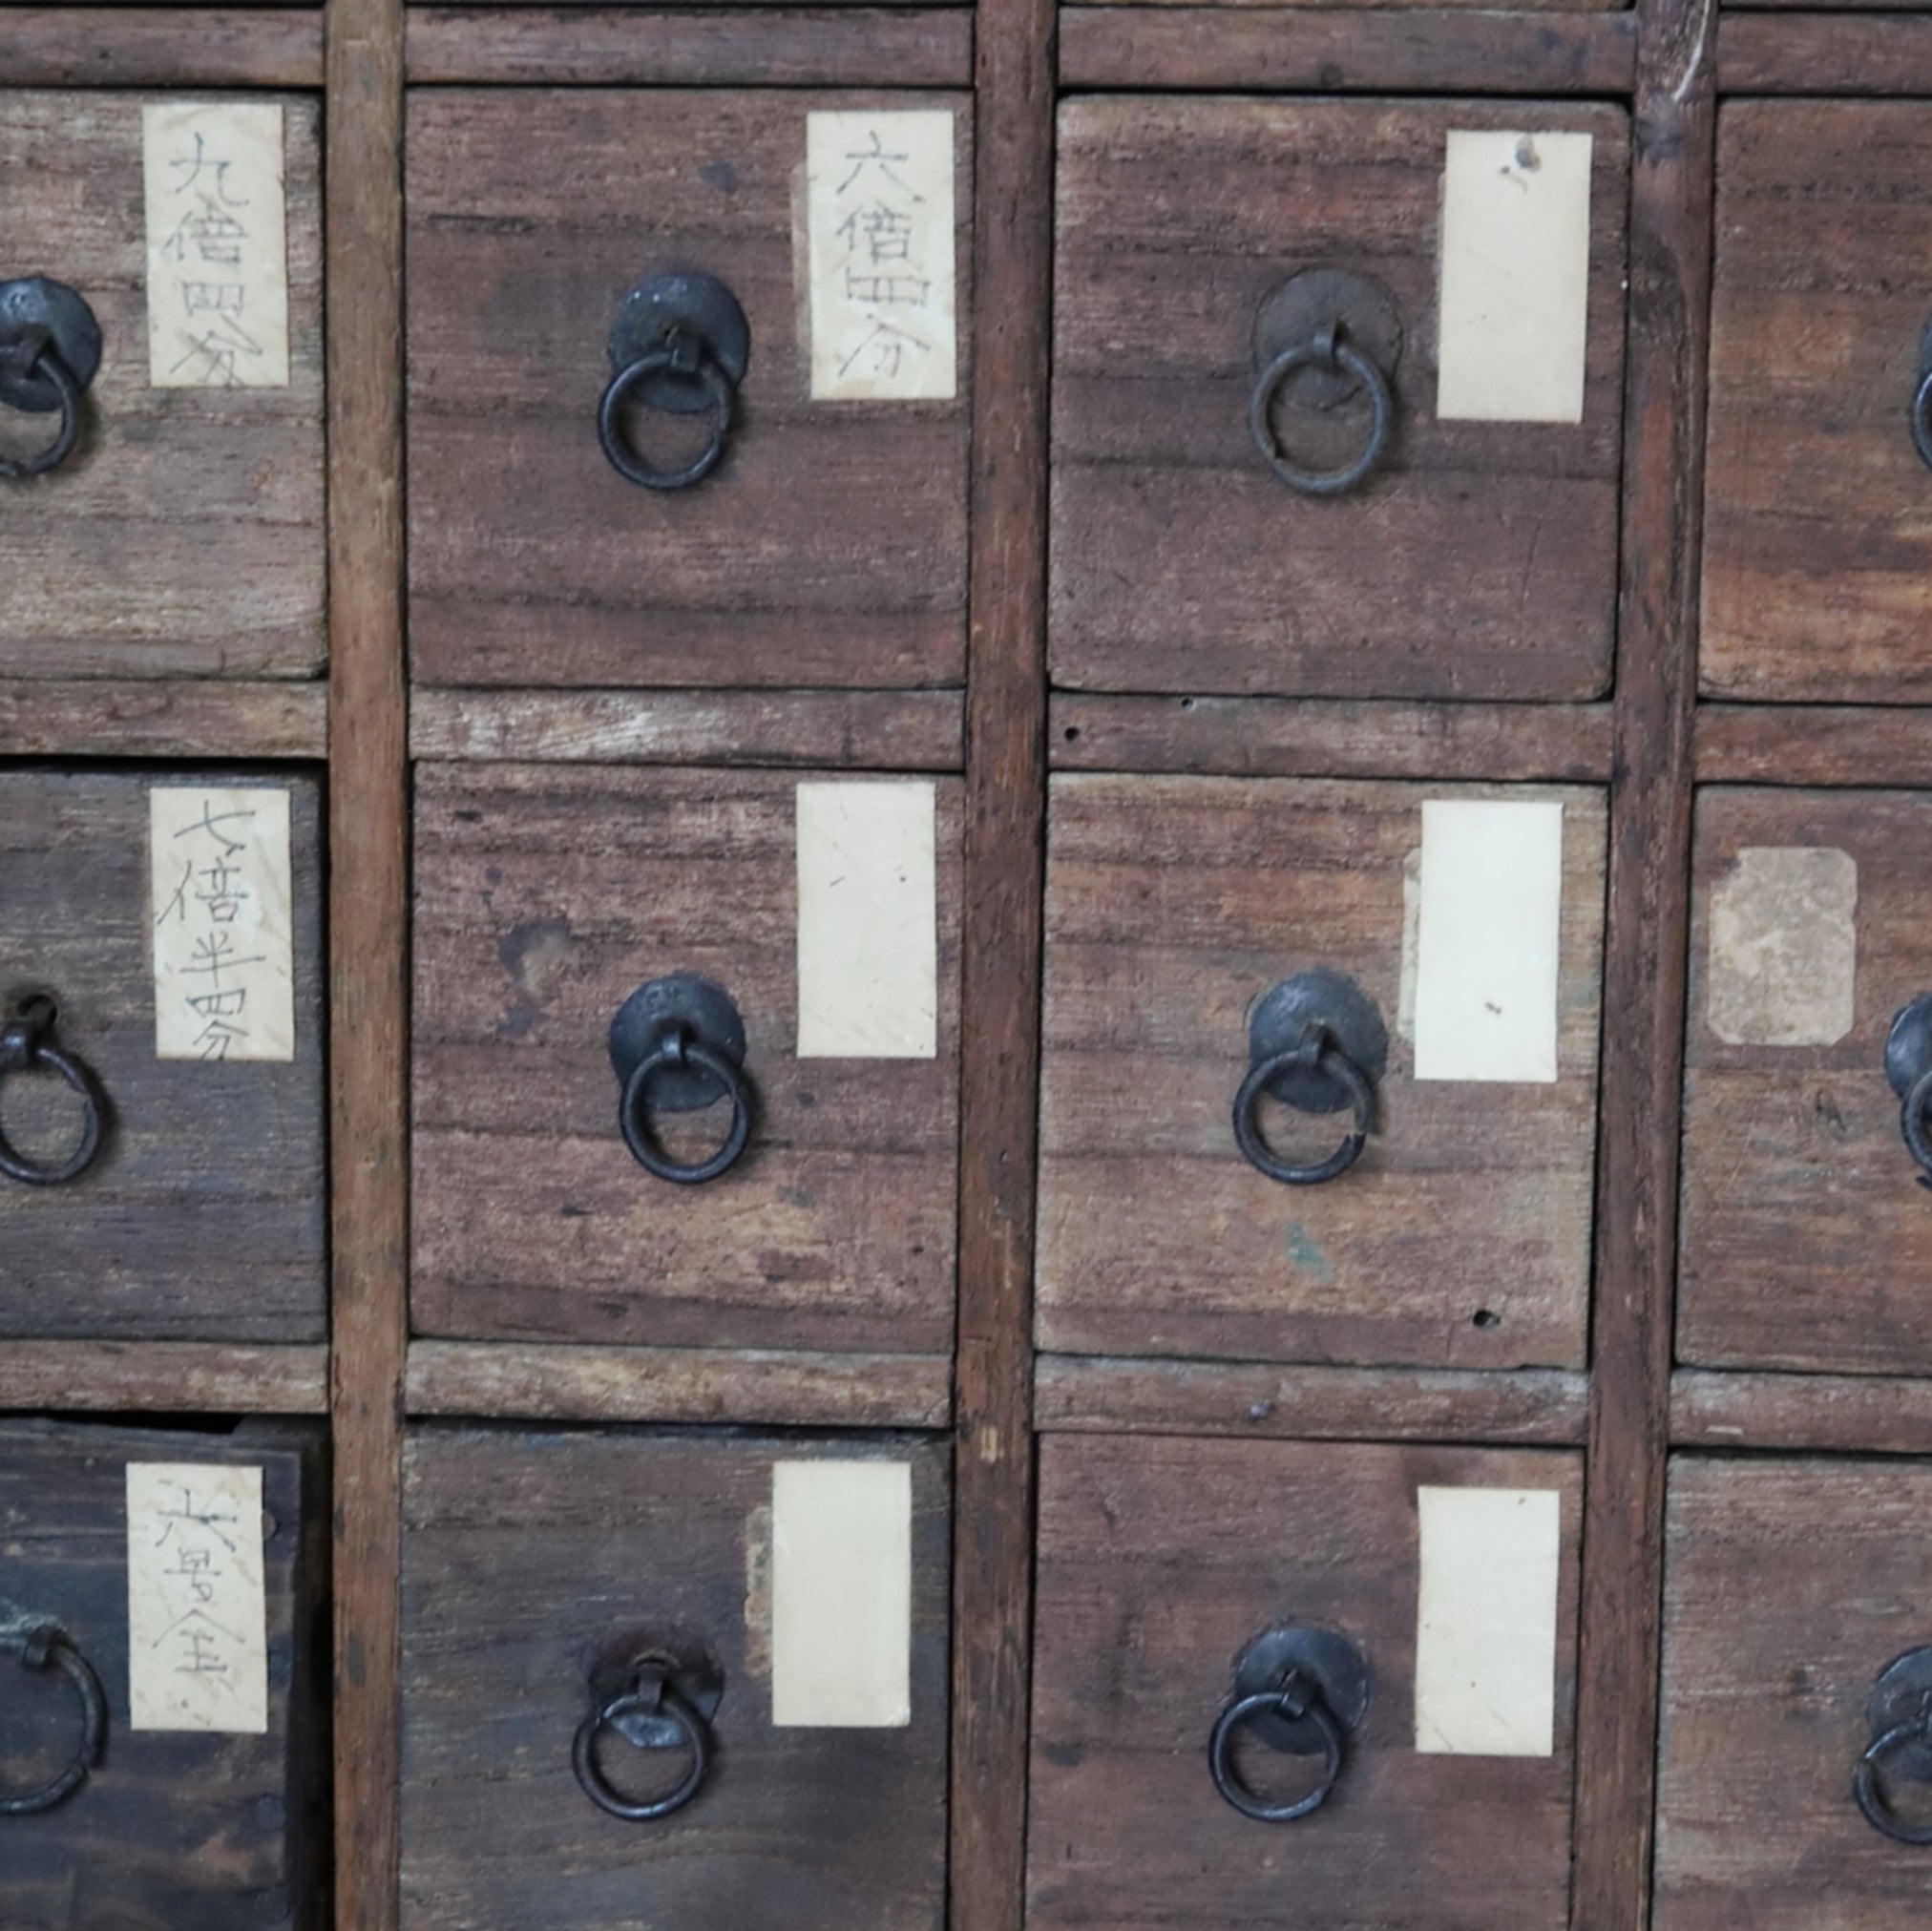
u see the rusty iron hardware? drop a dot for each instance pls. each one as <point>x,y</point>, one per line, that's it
<point>1316,1043</point>
<point>1900,1713</point>
<point>1299,1688</point>
<point>677,1046</point>
<point>45,1649</point>
<point>26,1044</point>
<point>654,1701</point>
<point>680,344</point>
<point>1909,1068</point>
<point>1922,400</point>
<point>49,349</point>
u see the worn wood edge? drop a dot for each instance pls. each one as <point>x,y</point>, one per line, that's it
<point>80,717</point>
<point>204,1377</point>
<point>1822,745</point>
<point>1780,51</point>
<point>1829,1413</point>
<point>160,47</point>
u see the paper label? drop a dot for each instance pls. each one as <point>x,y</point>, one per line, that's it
<point>198,1610</point>
<point>1512,305</point>
<point>879,254</point>
<point>1485,1620</point>
<point>217,250</point>
<point>868,922</point>
<point>1486,939</point>
<point>220,902</point>
<point>842,1594</point>
<point>1784,947</point>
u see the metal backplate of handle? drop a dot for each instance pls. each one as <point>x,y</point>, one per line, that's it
<point>1900,1713</point>
<point>680,345</point>
<point>1316,1043</point>
<point>1298,1688</point>
<point>657,1698</point>
<point>1909,1068</point>
<point>50,351</point>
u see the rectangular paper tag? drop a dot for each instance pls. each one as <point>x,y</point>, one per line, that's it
<point>220,902</point>
<point>842,1594</point>
<point>879,253</point>
<point>198,1611</point>
<point>868,921</point>
<point>1486,944</point>
<point>1485,1620</point>
<point>1514,298</point>
<point>1784,947</point>
<point>218,251</point>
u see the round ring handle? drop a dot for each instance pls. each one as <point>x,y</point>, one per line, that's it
<point>27,1043</point>
<point>35,354</point>
<point>48,1649</point>
<point>1922,418</point>
<point>1316,1048</point>
<point>684,356</point>
<point>677,1051</point>
<point>660,1700</point>
<point>1326,350</point>
<point>1870,1792</point>
<point>1912,1122</point>
<point>1297,1697</point>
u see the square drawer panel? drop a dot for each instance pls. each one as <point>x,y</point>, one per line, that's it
<point>184,534</point>
<point>754,1629</point>
<point>1462,925</point>
<point>1794,1591</point>
<point>1201,239</point>
<point>162,1047</point>
<point>1427,1599</point>
<point>1805,1243</point>
<point>823,917</point>
<point>163,1646</point>
<point>828,547</point>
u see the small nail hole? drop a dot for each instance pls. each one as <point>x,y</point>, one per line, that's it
<point>1484,1319</point>
<point>1071,733</point>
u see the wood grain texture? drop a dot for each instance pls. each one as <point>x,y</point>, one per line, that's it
<point>1813,744</point>
<point>1870,1413</point>
<point>830,545</point>
<point>1477,562</point>
<point>1461,1237</point>
<point>184,537</point>
<point>199,1376</point>
<point>527,1556</point>
<point>1781,51</point>
<point>1158,1561</point>
<point>161,47</point>
<point>1788,1585</point>
<point>162,719</point>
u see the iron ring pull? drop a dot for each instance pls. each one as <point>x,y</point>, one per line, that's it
<point>1866,1787</point>
<point>683,355</point>
<point>34,355</point>
<point>679,1049</point>
<point>27,1042</point>
<point>1316,1048</point>
<point>646,1697</point>
<point>47,1648</point>
<point>1298,1696</point>
<point>1912,1112</point>
<point>1328,350</point>
<point>1922,418</point>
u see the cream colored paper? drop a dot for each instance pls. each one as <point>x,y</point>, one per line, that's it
<point>198,1617</point>
<point>1514,294</point>
<point>868,921</point>
<point>880,253</point>
<point>1485,1620</point>
<point>1486,943</point>
<point>1784,947</point>
<point>218,904</point>
<point>218,249</point>
<point>842,1594</point>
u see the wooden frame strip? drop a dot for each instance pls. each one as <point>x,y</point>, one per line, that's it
<point>1836,1414</point>
<point>1833,744</point>
<point>161,719</point>
<point>1782,51</point>
<point>201,1376</point>
<point>160,47</point>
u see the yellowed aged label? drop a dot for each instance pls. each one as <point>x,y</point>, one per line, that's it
<point>1784,947</point>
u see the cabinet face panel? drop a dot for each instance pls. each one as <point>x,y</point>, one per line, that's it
<point>829,546</point>
<point>184,537</point>
<point>1478,560</point>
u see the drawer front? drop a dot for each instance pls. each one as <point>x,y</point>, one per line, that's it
<point>1477,559</point>
<point>539,1568</point>
<point>1161,1561</point>
<point>203,1215</point>
<point>1175,906</point>
<point>1789,1588</point>
<point>829,545</point>
<point>547,898</point>
<point>220,1828</point>
<point>1818,544</point>
<point>183,537</point>
<point>1805,1243</point>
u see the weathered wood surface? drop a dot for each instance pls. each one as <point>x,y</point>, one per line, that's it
<point>202,1376</point>
<point>1781,51</point>
<point>184,536</point>
<point>78,46</point>
<point>1878,1413</point>
<point>162,718</point>
<point>204,1216</point>
<point>526,1558</point>
<point>1840,745</point>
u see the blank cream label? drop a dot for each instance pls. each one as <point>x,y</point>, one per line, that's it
<point>842,1595</point>
<point>1514,301</point>
<point>868,922</point>
<point>218,903</point>
<point>1489,922</point>
<point>879,254</point>
<point>1784,947</point>
<point>1485,1622</point>
<point>198,1616</point>
<point>217,250</point>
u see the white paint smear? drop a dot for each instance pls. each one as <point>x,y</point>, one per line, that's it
<point>1784,947</point>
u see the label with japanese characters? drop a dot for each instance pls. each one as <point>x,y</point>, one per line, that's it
<point>217,253</point>
<point>197,1614</point>
<point>880,253</point>
<point>219,901</point>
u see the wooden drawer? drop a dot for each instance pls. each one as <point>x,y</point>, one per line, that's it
<point>547,896</point>
<point>1162,1559</point>
<point>204,1213</point>
<point>828,547</point>
<point>222,1828</point>
<point>1478,558</point>
<point>537,1568</point>
<point>1790,1586</point>
<point>183,537</point>
<point>1174,907</point>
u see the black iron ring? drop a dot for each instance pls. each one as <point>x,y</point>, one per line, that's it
<point>1922,418</point>
<point>662,1701</point>
<point>680,1049</point>
<point>1865,1786</point>
<point>1329,351</point>
<point>721,393</point>
<point>38,356</point>
<point>1294,1699</point>
<point>26,1043</point>
<point>41,1650</point>
<point>1912,1112</point>
<point>1315,1048</point>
